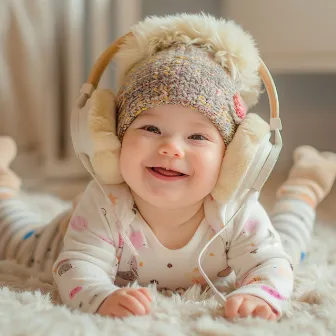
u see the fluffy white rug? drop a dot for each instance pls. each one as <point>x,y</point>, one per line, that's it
<point>26,307</point>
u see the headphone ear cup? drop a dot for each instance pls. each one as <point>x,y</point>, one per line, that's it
<point>243,157</point>
<point>105,143</point>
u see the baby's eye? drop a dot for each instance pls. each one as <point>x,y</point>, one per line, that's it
<point>197,137</point>
<point>152,129</point>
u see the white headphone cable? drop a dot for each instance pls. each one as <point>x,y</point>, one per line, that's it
<point>219,296</point>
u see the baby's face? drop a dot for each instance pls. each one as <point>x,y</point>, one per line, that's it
<point>171,156</point>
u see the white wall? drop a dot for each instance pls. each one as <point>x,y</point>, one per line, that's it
<point>307,107</point>
<point>165,7</point>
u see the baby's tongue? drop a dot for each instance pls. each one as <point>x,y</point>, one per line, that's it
<point>166,172</point>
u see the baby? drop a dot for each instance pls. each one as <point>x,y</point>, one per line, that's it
<point>178,110</point>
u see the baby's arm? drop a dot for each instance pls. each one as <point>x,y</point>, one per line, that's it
<point>86,268</point>
<point>256,255</point>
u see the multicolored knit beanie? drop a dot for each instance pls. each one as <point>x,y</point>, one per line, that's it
<point>195,60</point>
<point>181,75</point>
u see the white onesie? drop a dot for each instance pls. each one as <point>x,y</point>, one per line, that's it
<point>95,261</point>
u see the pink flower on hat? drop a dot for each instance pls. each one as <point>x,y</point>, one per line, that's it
<point>239,106</point>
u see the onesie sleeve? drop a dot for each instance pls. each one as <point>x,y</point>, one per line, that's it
<point>86,268</point>
<point>256,255</point>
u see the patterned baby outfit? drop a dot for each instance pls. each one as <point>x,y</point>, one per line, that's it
<point>95,260</point>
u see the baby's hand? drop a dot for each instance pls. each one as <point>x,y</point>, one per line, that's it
<point>243,305</point>
<point>126,302</point>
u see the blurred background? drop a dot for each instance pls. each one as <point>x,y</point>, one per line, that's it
<point>47,48</point>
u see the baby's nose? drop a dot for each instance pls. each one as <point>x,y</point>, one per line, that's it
<point>172,151</point>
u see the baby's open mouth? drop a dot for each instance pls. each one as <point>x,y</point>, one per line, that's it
<point>166,172</point>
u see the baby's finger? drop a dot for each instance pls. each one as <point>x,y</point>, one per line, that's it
<point>121,312</point>
<point>142,298</point>
<point>262,312</point>
<point>132,304</point>
<point>146,292</point>
<point>273,317</point>
<point>246,308</point>
<point>232,306</point>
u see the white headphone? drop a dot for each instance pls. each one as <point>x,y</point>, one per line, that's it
<point>248,161</point>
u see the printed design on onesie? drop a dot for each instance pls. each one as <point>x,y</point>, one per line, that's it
<point>250,227</point>
<point>112,198</point>
<point>227,247</point>
<point>105,216</point>
<point>75,291</point>
<point>78,223</point>
<point>256,279</point>
<point>64,268</point>
<point>106,239</point>
<point>64,261</point>
<point>195,277</point>
<point>121,242</point>
<point>138,240</point>
<point>132,274</point>
<point>273,292</point>
<point>135,208</point>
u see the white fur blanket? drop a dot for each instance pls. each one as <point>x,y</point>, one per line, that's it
<point>26,308</point>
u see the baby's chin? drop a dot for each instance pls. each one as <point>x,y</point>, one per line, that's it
<point>166,200</point>
<point>168,204</point>
<point>170,199</point>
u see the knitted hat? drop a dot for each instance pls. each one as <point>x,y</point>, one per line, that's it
<point>183,74</point>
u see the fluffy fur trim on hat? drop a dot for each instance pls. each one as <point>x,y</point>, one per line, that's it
<point>230,46</point>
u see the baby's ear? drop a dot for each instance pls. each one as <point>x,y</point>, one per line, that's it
<point>106,145</point>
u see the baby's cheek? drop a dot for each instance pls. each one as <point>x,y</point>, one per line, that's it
<point>207,171</point>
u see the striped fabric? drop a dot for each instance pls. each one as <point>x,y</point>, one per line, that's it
<point>293,217</point>
<point>27,240</point>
